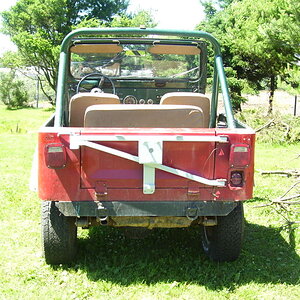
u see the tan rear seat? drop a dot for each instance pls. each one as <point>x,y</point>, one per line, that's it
<point>80,102</point>
<point>189,98</point>
<point>147,116</point>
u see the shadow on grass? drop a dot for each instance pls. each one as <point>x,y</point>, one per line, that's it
<point>176,255</point>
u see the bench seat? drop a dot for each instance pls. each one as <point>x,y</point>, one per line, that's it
<point>144,116</point>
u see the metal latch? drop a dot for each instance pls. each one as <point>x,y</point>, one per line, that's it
<point>193,190</point>
<point>100,190</point>
<point>150,155</point>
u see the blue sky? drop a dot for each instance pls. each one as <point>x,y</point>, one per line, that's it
<point>169,14</point>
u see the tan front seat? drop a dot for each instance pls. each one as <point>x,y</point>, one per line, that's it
<point>80,102</point>
<point>189,98</point>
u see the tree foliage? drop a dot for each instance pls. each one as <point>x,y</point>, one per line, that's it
<point>211,7</point>
<point>135,20</point>
<point>37,27</point>
<point>12,91</point>
<point>78,10</point>
<point>259,39</point>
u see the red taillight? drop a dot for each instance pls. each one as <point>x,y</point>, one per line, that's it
<point>236,179</point>
<point>55,156</point>
<point>239,156</point>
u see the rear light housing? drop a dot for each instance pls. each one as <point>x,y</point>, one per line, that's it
<point>237,178</point>
<point>239,156</point>
<point>55,156</point>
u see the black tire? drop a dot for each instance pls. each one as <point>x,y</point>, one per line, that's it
<point>223,242</point>
<point>59,235</point>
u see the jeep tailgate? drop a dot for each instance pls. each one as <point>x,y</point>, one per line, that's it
<point>191,151</point>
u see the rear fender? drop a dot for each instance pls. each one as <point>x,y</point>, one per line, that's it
<point>223,167</point>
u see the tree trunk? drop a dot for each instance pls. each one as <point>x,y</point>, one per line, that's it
<point>271,95</point>
<point>50,99</point>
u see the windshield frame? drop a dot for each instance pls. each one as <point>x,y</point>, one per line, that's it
<point>121,42</point>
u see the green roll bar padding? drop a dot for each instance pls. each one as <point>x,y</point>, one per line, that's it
<point>219,76</point>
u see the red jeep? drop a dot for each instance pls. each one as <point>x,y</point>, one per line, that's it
<point>135,142</point>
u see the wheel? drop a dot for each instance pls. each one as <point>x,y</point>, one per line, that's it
<point>59,235</point>
<point>100,77</point>
<point>223,241</point>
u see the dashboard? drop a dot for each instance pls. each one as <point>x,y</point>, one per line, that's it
<point>130,99</point>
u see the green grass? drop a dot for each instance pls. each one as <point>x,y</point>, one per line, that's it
<point>23,121</point>
<point>168,264</point>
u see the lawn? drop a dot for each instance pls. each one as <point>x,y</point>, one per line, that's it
<point>168,264</point>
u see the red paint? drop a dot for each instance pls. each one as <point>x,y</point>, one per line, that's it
<point>123,178</point>
<point>223,167</point>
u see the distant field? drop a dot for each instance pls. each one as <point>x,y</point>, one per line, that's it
<point>168,264</point>
<point>283,102</point>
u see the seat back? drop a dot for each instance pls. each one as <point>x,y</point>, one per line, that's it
<point>144,116</point>
<point>189,98</point>
<point>81,101</point>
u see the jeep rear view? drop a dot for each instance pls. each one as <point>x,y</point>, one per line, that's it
<point>137,143</point>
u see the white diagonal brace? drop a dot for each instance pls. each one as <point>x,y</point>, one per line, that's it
<point>110,150</point>
<point>210,182</point>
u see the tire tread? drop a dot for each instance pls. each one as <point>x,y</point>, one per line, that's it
<point>226,238</point>
<point>59,234</point>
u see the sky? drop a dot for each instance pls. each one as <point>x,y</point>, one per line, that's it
<point>5,43</point>
<point>169,14</point>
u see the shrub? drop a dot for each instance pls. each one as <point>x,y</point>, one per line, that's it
<point>276,128</point>
<point>12,91</point>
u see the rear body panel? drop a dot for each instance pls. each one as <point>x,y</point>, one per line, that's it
<point>89,172</point>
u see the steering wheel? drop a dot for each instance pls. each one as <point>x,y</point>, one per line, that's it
<point>101,78</point>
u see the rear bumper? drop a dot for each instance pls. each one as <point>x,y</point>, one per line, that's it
<point>190,209</point>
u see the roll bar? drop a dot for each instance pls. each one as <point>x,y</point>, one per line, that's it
<point>219,73</point>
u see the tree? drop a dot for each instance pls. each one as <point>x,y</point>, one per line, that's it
<point>211,7</point>
<point>216,24</point>
<point>37,27</point>
<point>291,82</point>
<point>258,38</point>
<point>135,20</point>
<point>12,91</point>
